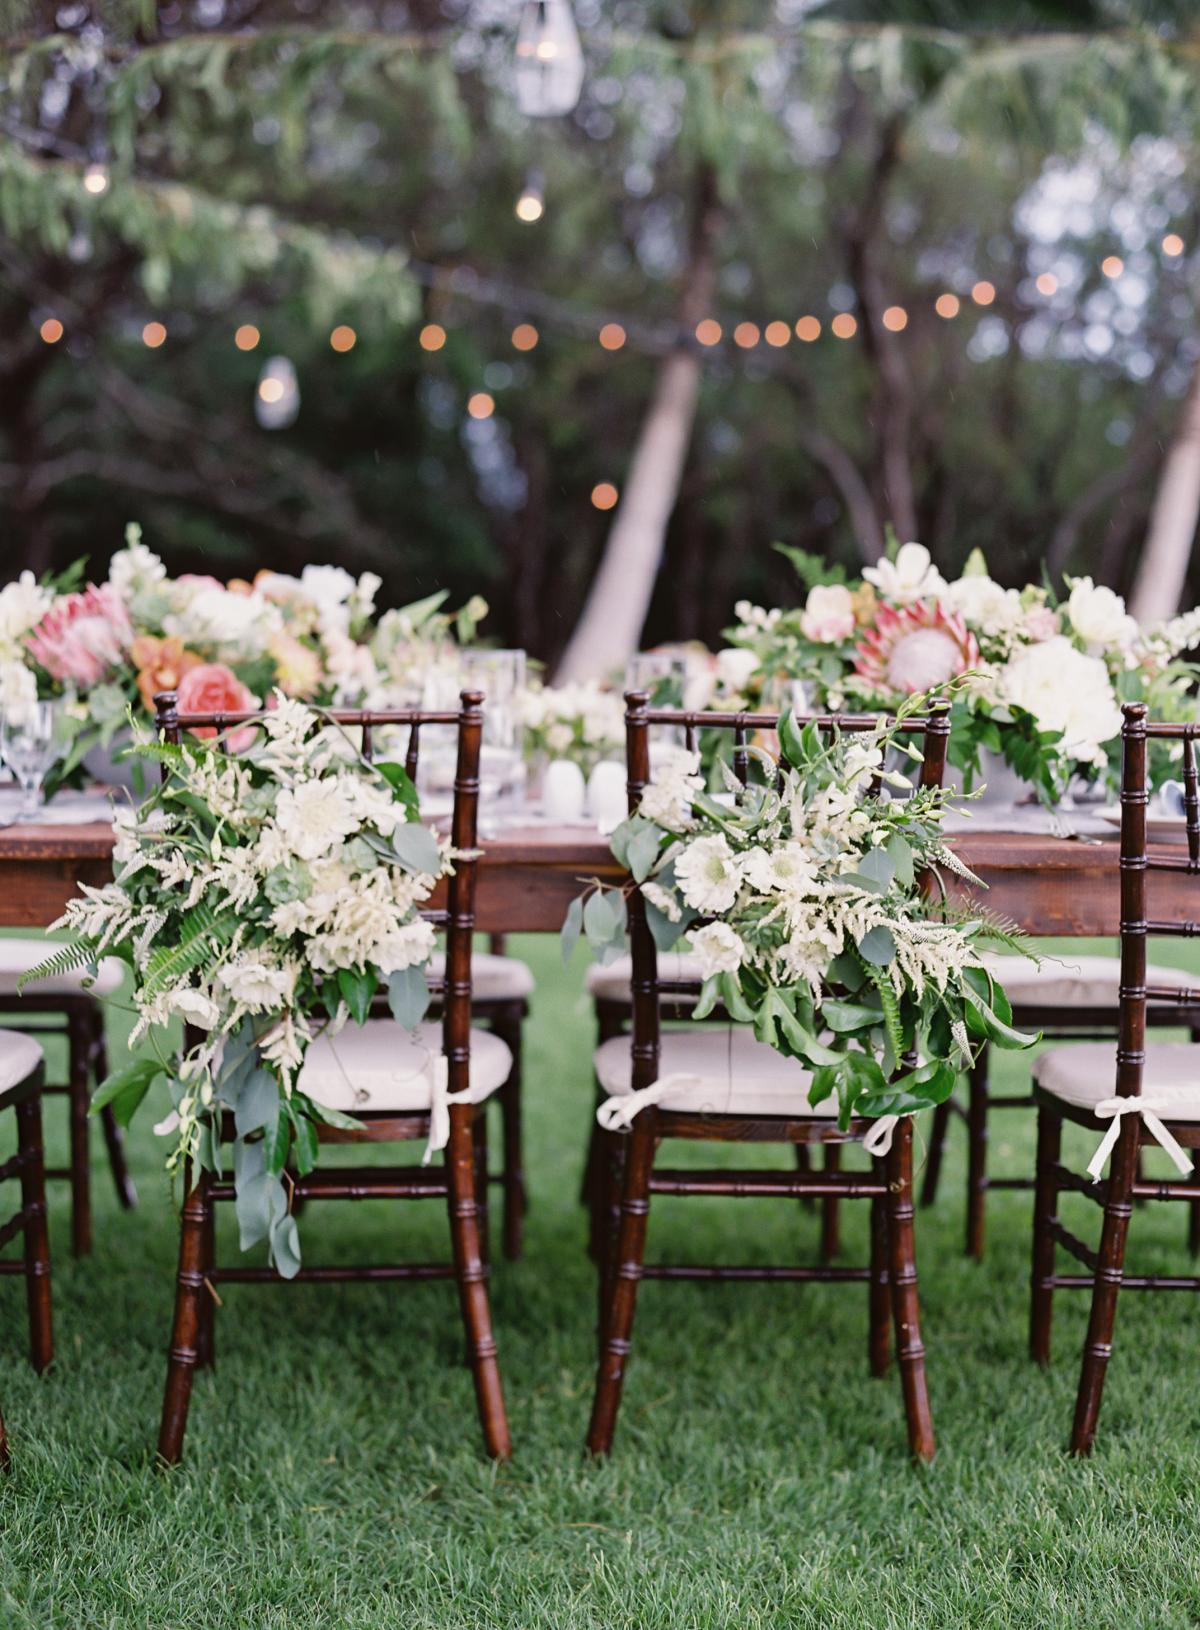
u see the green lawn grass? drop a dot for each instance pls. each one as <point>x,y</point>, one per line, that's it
<point>334,1475</point>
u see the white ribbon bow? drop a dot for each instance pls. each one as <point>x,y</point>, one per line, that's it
<point>1111,1109</point>
<point>440,1099</point>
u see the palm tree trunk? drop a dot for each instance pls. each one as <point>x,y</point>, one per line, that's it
<point>1172,532</point>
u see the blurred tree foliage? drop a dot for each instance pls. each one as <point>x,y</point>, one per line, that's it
<point>295,166</point>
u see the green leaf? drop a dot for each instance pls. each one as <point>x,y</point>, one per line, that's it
<point>414,847</point>
<point>599,918</point>
<point>981,1021</point>
<point>879,866</point>
<point>643,850</point>
<point>357,987</point>
<point>664,932</point>
<point>790,741</point>
<point>124,1089</point>
<point>257,1103</point>
<point>899,852</point>
<point>398,778</point>
<point>709,992</point>
<point>735,1002</point>
<point>285,1246</point>
<point>571,929</point>
<point>408,996</point>
<point>878,946</point>
<point>277,1142</point>
<point>307,1143</point>
<point>845,1017</point>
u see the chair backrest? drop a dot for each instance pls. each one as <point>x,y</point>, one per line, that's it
<point>458,918</point>
<point>1136,862</point>
<point>933,728</point>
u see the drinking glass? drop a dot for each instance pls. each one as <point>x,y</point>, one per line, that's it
<point>500,675</point>
<point>30,742</point>
<point>663,676</point>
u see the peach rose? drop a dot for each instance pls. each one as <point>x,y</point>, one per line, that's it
<point>211,687</point>
<point>161,665</point>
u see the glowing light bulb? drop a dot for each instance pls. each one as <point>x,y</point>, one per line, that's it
<point>1112,265</point>
<point>481,405</point>
<point>708,331</point>
<point>548,68</point>
<point>524,337</point>
<point>1172,245</point>
<point>844,326</point>
<point>1047,283</point>
<point>808,329</point>
<point>604,495</point>
<point>51,331</point>
<point>746,335</point>
<point>277,394</point>
<point>531,205</point>
<point>612,336</point>
<point>153,335</point>
<point>947,305</point>
<point>432,337</point>
<point>96,179</point>
<point>895,319</point>
<point>246,337</point>
<point>343,338</point>
<point>777,333</point>
<point>984,292</point>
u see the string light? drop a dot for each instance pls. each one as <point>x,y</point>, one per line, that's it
<point>895,319</point>
<point>548,71</point>
<point>612,336</point>
<point>777,333</point>
<point>1112,265</point>
<point>277,394</point>
<point>531,205</point>
<point>844,326</point>
<point>270,390</point>
<point>343,338</point>
<point>432,337</point>
<point>808,328</point>
<point>524,337</point>
<point>1047,283</point>
<point>604,495</point>
<point>746,335</point>
<point>95,180</point>
<point>708,331</point>
<point>983,293</point>
<point>481,405</point>
<point>1172,245</point>
<point>947,305</point>
<point>51,331</point>
<point>153,335</point>
<point>246,337</point>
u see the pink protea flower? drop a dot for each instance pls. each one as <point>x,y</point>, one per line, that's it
<point>83,637</point>
<point>914,648</point>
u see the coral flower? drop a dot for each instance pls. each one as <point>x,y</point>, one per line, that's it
<point>160,664</point>
<point>83,637</point>
<point>297,666</point>
<point>211,687</point>
<point>914,648</point>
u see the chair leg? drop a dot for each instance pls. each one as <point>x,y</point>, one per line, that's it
<point>79,1044</point>
<point>879,1300</point>
<point>206,1334</point>
<point>1045,1204</point>
<point>937,1148</point>
<point>471,1276</point>
<point>37,1239</point>
<point>804,1166</point>
<point>1194,1215</point>
<point>479,1147</point>
<point>977,1141</point>
<point>114,1136</point>
<point>609,1023</point>
<point>626,1274</point>
<point>1110,1270</point>
<point>185,1330</point>
<point>831,1239</point>
<point>516,1197</point>
<point>910,1351</point>
<point>607,1220</point>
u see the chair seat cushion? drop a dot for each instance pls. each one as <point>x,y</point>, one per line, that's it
<point>1085,1073</point>
<point>17,956</point>
<point>493,978</point>
<point>379,1066</point>
<point>20,1055</point>
<point>1073,981</point>
<point>612,983</point>
<point>728,1073</point>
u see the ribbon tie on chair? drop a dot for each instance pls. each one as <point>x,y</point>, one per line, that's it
<point>1112,1109</point>
<point>617,1113</point>
<point>440,1099</point>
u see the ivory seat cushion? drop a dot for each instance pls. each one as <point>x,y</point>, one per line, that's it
<point>733,1074</point>
<point>1073,981</point>
<point>612,983</point>
<point>1083,1074</point>
<point>493,978</point>
<point>17,956</point>
<point>20,1055</point>
<point>379,1066</point>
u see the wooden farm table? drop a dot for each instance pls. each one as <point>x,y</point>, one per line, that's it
<point>528,876</point>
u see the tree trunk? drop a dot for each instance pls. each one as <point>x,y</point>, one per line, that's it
<point>610,626</point>
<point>1168,549</point>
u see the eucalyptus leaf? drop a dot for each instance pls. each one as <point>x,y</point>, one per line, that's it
<point>408,996</point>
<point>257,1103</point>
<point>878,946</point>
<point>414,847</point>
<point>572,928</point>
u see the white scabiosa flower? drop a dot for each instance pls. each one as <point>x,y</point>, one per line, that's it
<point>313,817</point>
<point>718,949</point>
<point>709,875</point>
<point>787,868</point>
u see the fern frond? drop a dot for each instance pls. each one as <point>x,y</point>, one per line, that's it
<point>889,1002</point>
<point>200,929</point>
<point>67,959</point>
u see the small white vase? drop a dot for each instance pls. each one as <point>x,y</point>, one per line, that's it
<point>563,791</point>
<point>102,765</point>
<point>607,796</point>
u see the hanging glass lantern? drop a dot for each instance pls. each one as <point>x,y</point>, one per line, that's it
<point>277,394</point>
<point>549,60</point>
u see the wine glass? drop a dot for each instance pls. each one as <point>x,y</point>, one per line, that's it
<point>29,744</point>
<point>500,675</point>
<point>663,675</point>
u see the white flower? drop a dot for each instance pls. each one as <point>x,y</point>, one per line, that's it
<point>983,604</point>
<point>735,666</point>
<point>314,816</point>
<point>23,604</point>
<point>240,625</point>
<point>351,667</point>
<point>1068,691</point>
<point>785,868</point>
<point>861,761</point>
<point>718,949</point>
<point>18,688</point>
<point>328,586</point>
<point>1098,616</point>
<point>667,800</point>
<point>828,615</point>
<point>911,576</point>
<point>135,568</point>
<point>193,1007</point>
<point>256,985</point>
<point>708,874</point>
<point>663,899</point>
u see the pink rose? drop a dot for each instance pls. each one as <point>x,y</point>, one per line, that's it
<point>828,615</point>
<point>83,637</point>
<point>213,688</point>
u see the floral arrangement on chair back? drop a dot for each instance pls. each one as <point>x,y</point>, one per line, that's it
<point>1046,676</point>
<point>263,894</point>
<point>805,896</point>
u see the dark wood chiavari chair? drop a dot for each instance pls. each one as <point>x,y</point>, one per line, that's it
<point>63,1007</point>
<point>630,1175</point>
<point>21,1082</point>
<point>1154,1096</point>
<point>461,1181</point>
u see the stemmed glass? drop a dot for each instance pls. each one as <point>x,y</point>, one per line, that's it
<point>29,745</point>
<point>500,675</point>
<point>663,676</point>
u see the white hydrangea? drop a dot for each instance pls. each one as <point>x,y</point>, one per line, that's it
<point>18,687</point>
